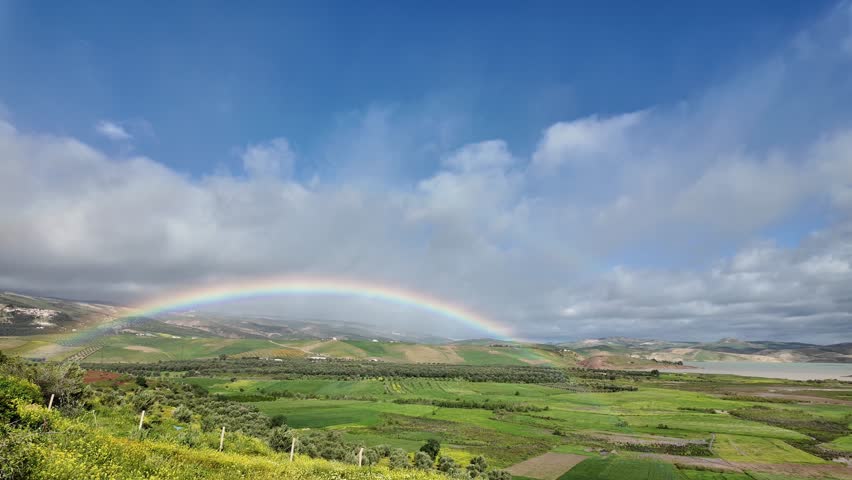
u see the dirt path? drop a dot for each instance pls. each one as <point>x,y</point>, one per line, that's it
<point>307,348</point>
<point>548,466</point>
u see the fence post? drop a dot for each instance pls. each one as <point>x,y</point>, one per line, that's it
<point>292,448</point>
<point>222,439</point>
<point>141,419</point>
<point>360,455</point>
<point>50,403</point>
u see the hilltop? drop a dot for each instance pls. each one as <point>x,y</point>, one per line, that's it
<point>47,328</point>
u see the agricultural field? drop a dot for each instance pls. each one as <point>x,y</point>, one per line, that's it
<point>663,426</point>
<point>537,421</point>
<point>168,342</point>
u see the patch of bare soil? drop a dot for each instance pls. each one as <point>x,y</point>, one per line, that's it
<point>429,354</point>
<point>93,376</point>
<point>548,466</point>
<point>644,440</point>
<point>140,348</point>
<point>596,363</point>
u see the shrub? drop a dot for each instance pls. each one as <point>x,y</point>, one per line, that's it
<point>447,465</point>
<point>280,439</point>
<point>277,420</point>
<point>182,414</point>
<point>399,459</point>
<point>189,438</point>
<point>432,447</point>
<point>422,461</point>
<point>143,400</point>
<point>15,390</point>
<point>477,466</point>
<point>16,460</point>
<point>36,416</point>
<point>499,475</point>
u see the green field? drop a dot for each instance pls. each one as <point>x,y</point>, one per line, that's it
<point>374,401</point>
<point>621,468</point>
<point>367,411</point>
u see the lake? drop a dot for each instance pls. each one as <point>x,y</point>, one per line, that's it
<point>790,371</point>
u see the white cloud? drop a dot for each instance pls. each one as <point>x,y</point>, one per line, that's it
<point>112,131</point>
<point>578,140</point>
<point>526,239</point>
<point>272,158</point>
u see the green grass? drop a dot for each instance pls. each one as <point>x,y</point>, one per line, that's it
<point>739,448</point>
<point>842,443</point>
<point>600,468</point>
<point>707,475</point>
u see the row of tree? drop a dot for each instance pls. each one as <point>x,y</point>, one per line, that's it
<point>343,369</point>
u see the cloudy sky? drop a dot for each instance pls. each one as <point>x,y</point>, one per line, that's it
<point>681,172</point>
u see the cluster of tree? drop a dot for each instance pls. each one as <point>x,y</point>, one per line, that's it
<point>188,402</point>
<point>344,369</point>
<point>594,386</point>
<point>486,404</point>
<point>428,457</point>
<point>265,396</point>
<point>64,381</point>
<point>613,374</point>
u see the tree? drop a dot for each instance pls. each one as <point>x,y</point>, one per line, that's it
<point>432,447</point>
<point>447,465</point>
<point>277,420</point>
<point>143,400</point>
<point>141,381</point>
<point>499,475</point>
<point>280,439</point>
<point>422,461</point>
<point>399,459</point>
<point>477,466</point>
<point>182,414</point>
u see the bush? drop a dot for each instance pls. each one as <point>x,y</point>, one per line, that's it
<point>36,416</point>
<point>143,400</point>
<point>16,460</point>
<point>182,414</point>
<point>189,438</point>
<point>15,390</point>
<point>447,465</point>
<point>432,447</point>
<point>477,466</point>
<point>422,461</point>
<point>277,420</point>
<point>399,459</point>
<point>499,475</point>
<point>280,439</point>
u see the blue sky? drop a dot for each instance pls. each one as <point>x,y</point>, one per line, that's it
<point>577,169</point>
<point>209,76</point>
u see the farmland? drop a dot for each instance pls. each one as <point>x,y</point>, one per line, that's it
<point>679,426</point>
<point>532,410</point>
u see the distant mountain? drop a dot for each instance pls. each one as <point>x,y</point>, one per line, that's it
<point>726,349</point>
<point>32,315</point>
<point>28,315</point>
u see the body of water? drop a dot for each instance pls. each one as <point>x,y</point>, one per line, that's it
<point>790,371</point>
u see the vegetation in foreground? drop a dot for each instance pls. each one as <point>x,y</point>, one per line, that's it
<point>413,421</point>
<point>92,433</point>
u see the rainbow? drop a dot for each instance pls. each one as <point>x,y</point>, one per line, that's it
<point>198,297</point>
